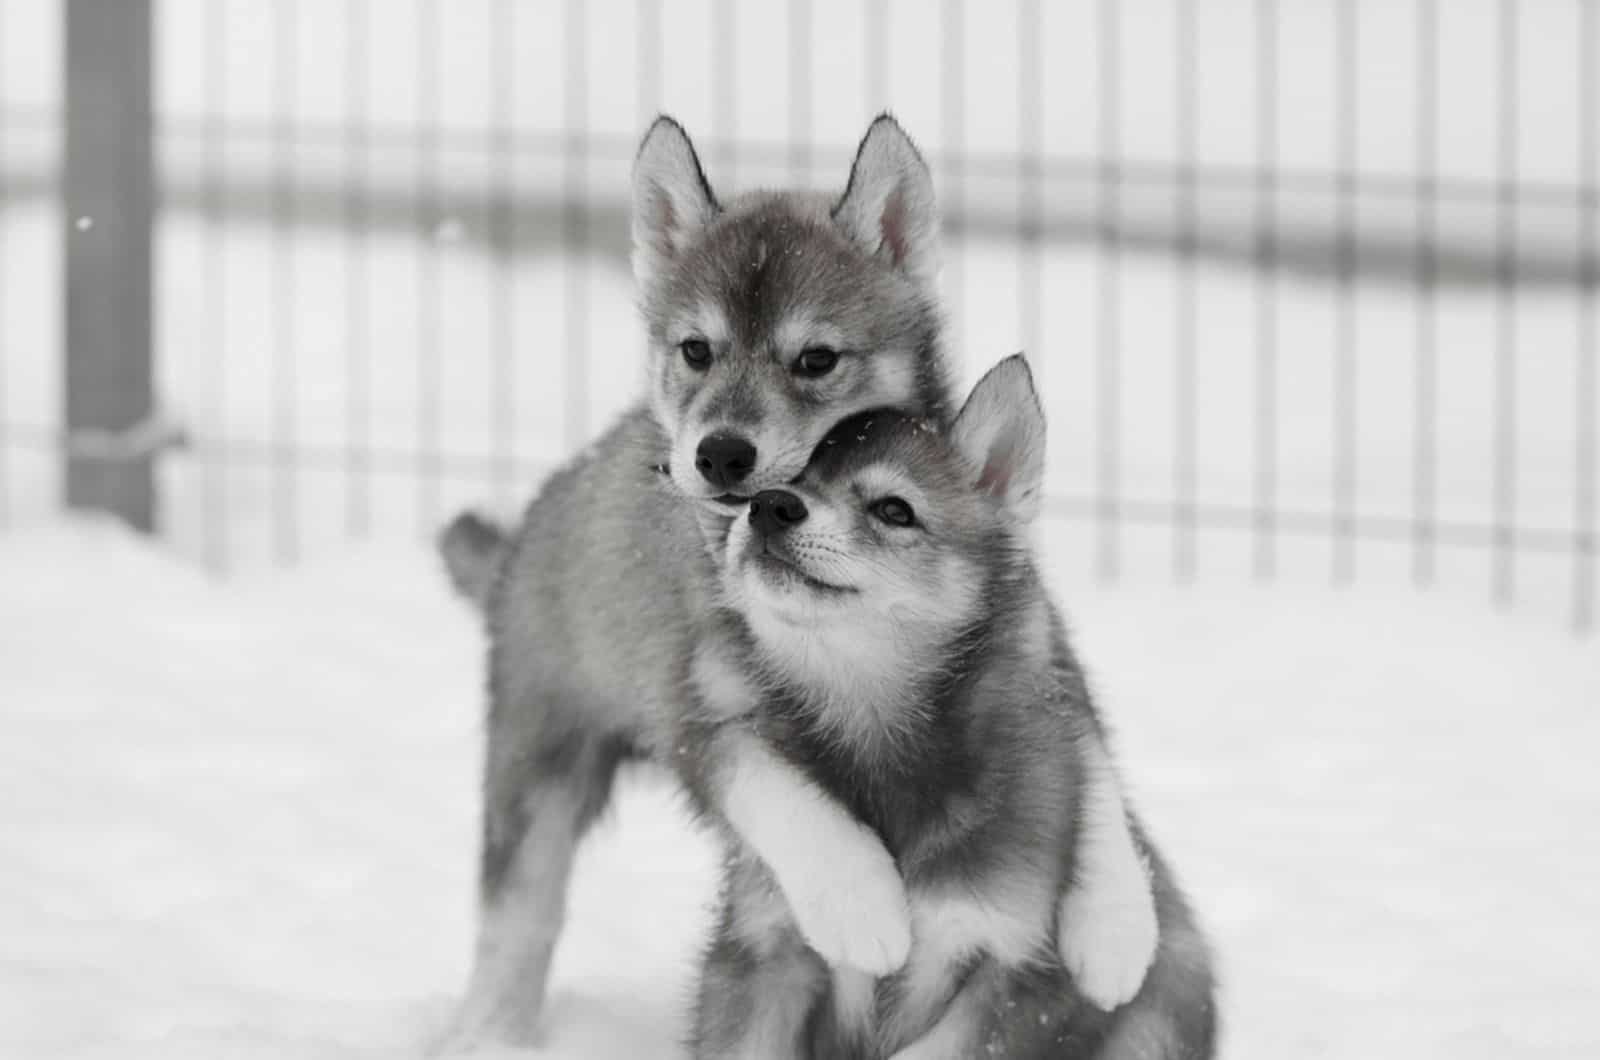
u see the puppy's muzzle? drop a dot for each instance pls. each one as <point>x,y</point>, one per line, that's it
<point>774,511</point>
<point>724,460</point>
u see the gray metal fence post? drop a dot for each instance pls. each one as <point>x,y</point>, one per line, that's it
<point>108,203</point>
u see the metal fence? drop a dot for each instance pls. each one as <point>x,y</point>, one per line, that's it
<point>1310,287</point>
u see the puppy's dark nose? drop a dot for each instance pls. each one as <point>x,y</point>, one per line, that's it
<point>773,511</point>
<point>725,459</point>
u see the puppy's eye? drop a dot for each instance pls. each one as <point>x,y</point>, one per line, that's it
<point>696,353</point>
<point>894,511</point>
<point>815,362</point>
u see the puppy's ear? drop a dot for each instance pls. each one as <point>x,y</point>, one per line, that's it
<point>888,206</point>
<point>1000,434</point>
<point>671,199</point>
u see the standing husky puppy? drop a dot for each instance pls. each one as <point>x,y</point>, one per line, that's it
<point>906,657</point>
<point>769,319</point>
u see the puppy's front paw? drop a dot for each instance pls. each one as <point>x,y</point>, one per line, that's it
<point>852,910</point>
<point>1108,940</point>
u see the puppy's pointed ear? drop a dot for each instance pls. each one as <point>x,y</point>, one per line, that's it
<point>1000,434</point>
<point>888,207</point>
<point>671,199</point>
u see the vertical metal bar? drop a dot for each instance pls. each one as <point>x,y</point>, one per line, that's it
<point>214,533</point>
<point>1505,379</point>
<point>358,378</point>
<point>1424,513</point>
<point>1266,412</point>
<point>1108,487</point>
<point>1586,463</point>
<point>109,187</point>
<point>649,58</point>
<point>503,237</point>
<point>285,506</point>
<point>876,62</point>
<point>1030,186</point>
<point>430,229</point>
<point>724,80</point>
<point>801,76</point>
<point>1186,438</point>
<point>575,225</point>
<point>5,448</point>
<point>952,107</point>
<point>1346,423</point>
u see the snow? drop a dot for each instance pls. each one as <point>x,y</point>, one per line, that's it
<point>236,818</point>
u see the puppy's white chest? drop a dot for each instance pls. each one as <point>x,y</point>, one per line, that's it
<point>1007,918</point>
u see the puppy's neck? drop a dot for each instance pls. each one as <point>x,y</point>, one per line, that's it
<point>861,685</point>
<point>879,686</point>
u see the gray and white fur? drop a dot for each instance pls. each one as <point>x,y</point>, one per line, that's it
<point>895,634</point>
<point>769,318</point>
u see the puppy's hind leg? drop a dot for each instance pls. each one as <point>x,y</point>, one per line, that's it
<point>546,778</point>
<point>759,985</point>
<point>958,1032</point>
<point>1017,1013</point>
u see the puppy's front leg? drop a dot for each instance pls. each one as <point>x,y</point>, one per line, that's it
<point>1107,932</point>
<point>841,883</point>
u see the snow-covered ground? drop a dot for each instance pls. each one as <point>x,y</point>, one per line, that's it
<point>236,819</point>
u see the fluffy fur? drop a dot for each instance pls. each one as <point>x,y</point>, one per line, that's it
<point>912,668</point>
<point>600,606</point>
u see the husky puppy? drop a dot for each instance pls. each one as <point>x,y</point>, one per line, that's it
<point>906,657</point>
<point>769,318</point>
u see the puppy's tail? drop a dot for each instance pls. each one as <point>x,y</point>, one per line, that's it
<point>473,547</point>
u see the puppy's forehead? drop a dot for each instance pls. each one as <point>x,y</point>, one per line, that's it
<point>884,437</point>
<point>776,267</point>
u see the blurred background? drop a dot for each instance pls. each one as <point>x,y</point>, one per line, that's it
<point>1310,290</point>
<point>1310,286</point>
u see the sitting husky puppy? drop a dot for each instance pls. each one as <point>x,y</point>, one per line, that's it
<point>769,317</point>
<point>906,657</point>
